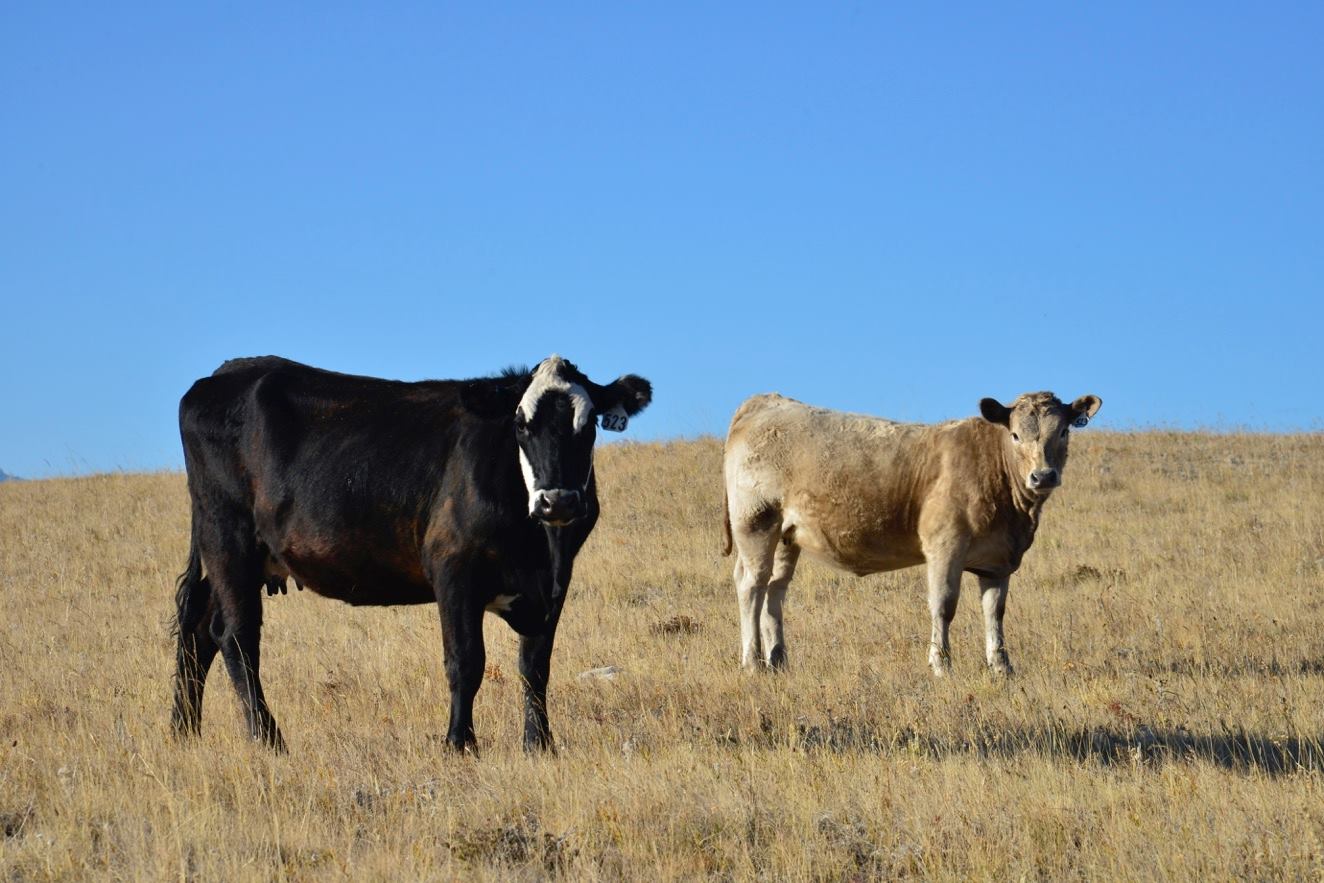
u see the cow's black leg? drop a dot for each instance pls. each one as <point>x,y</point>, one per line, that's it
<point>237,586</point>
<point>466,657</point>
<point>240,647</point>
<point>535,664</point>
<point>193,656</point>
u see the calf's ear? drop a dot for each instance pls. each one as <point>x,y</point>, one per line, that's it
<point>995,412</point>
<point>487,399</point>
<point>1084,408</point>
<point>631,392</point>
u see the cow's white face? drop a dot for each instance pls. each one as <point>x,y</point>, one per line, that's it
<point>555,431</point>
<point>1039,430</point>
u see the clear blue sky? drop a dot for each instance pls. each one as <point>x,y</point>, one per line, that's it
<point>888,210</point>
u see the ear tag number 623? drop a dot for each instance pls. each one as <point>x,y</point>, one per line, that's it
<point>614,420</point>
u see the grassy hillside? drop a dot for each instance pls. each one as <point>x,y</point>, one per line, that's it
<point>1165,720</point>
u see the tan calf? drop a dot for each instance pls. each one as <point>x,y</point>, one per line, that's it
<point>868,495</point>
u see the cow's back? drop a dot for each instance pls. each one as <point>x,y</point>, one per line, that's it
<point>851,488</point>
<point>213,415</point>
<point>231,416</point>
<point>336,474</point>
<point>848,487</point>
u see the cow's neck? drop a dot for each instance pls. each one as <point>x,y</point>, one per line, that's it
<point>1024,501</point>
<point>500,480</point>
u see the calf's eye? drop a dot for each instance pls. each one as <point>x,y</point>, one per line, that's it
<point>1016,438</point>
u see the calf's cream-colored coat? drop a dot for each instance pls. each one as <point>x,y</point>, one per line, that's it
<point>869,495</point>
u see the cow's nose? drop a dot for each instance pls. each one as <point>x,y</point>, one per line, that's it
<point>558,506</point>
<point>1043,478</point>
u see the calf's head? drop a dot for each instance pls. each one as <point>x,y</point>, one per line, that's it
<point>554,420</point>
<point>1038,429</point>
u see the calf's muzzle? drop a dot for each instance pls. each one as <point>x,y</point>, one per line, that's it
<point>1044,479</point>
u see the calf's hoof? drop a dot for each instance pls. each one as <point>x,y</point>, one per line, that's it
<point>777,658</point>
<point>941,665</point>
<point>1001,665</point>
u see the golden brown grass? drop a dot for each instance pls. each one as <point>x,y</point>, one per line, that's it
<point>1164,723</point>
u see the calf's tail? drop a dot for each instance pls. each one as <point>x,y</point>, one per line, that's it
<point>726,525</point>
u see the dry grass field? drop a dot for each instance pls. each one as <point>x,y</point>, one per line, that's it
<point>1165,721</point>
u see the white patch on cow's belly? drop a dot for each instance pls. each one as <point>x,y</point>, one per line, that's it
<point>502,603</point>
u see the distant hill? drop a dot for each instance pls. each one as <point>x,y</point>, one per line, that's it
<point>5,476</point>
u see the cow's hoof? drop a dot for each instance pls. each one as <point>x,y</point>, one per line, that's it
<point>185,728</point>
<point>1001,665</point>
<point>465,748</point>
<point>539,744</point>
<point>271,738</point>
<point>777,658</point>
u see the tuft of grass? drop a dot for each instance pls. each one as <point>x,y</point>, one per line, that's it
<point>680,624</point>
<point>1167,630</point>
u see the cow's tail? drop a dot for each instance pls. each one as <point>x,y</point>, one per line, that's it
<point>726,525</point>
<point>192,589</point>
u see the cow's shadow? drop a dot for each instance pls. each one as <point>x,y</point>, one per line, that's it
<point>1234,748</point>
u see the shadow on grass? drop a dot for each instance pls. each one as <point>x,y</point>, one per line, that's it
<point>1234,748</point>
<point>1244,667</point>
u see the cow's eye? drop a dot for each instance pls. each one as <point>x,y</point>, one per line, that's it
<point>521,425</point>
<point>1016,438</point>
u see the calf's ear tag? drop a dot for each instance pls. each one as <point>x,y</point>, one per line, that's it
<point>614,420</point>
<point>1081,422</point>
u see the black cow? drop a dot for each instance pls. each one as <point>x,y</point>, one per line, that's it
<point>472,494</point>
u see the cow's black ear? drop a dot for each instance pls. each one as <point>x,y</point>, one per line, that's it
<point>1084,408</point>
<point>489,398</point>
<point>995,412</point>
<point>631,392</point>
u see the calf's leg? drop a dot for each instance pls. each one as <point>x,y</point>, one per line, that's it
<point>750,597</point>
<point>755,553</point>
<point>993,593</point>
<point>944,575</point>
<point>770,624</point>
